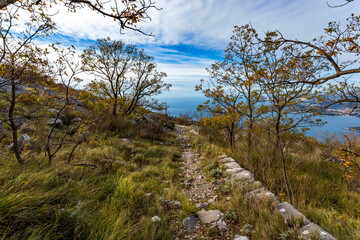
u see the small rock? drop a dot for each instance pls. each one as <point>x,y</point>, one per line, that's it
<point>232,165</point>
<point>213,217</point>
<point>156,219</point>
<point>244,176</point>
<point>23,141</point>
<point>238,237</point>
<point>190,223</point>
<point>126,140</point>
<point>202,205</point>
<point>227,160</point>
<point>312,230</point>
<point>57,123</point>
<point>290,213</point>
<point>148,194</point>
<point>261,194</point>
<point>211,201</point>
<point>234,170</point>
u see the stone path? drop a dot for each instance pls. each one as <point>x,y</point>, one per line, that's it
<point>203,193</point>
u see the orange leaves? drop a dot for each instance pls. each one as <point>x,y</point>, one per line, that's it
<point>350,163</point>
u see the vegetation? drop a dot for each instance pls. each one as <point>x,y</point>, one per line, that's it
<point>96,163</point>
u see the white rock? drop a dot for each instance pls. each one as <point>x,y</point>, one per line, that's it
<point>156,219</point>
<point>238,237</point>
<point>234,170</point>
<point>232,165</point>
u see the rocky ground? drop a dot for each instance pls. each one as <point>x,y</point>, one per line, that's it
<point>208,222</point>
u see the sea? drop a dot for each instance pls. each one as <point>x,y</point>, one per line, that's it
<point>334,127</point>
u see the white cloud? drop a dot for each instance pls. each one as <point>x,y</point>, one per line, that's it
<point>209,23</point>
<point>205,24</point>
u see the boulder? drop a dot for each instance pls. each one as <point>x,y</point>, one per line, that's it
<point>261,194</point>
<point>290,213</point>
<point>23,141</point>
<point>312,230</point>
<point>190,223</point>
<point>57,123</point>
<point>243,176</point>
<point>214,218</point>
<point>5,87</point>
<point>232,165</point>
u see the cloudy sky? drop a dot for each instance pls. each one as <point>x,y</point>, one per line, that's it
<point>189,35</point>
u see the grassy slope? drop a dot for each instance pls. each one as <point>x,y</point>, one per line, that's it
<point>108,202</point>
<point>320,191</point>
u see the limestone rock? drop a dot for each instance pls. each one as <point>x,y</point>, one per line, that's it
<point>238,237</point>
<point>313,230</point>
<point>227,159</point>
<point>232,165</point>
<point>214,218</point>
<point>23,141</point>
<point>290,213</point>
<point>190,223</point>
<point>202,205</point>
<point>126,140</point>
<point>156,219</point>
<point>261,194</point>
<point>232,171</point>
<point>57,123</point>
<point>244,176</point>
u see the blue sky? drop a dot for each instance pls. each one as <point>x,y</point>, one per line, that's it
<point>189,35</point>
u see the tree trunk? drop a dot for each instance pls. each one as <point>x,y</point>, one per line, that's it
<point>13,125</point>
<point>115,105</point>
<point>287,183</point>
<point>249,142</point>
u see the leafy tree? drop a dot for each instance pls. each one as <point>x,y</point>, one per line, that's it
<point>123,74</point>
<point>110,62</point>
<point>287,110</point>
<point>234,86</point>
<point>339,49</point>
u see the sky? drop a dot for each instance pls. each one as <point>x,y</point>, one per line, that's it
<point>190,35</point>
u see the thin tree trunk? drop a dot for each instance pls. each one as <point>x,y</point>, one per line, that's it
<point>249,142</point>
<point>13,123</point>
<point>115,106</point>
<point>287,183</point>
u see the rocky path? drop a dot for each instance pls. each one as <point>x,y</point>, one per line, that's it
<point>202,192</point>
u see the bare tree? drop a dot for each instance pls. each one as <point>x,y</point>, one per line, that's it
<point>146,82</point>
<point>21,61</point>
<point>65,70</point>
